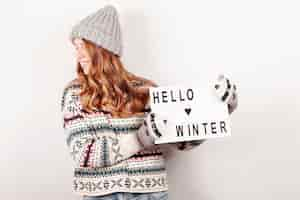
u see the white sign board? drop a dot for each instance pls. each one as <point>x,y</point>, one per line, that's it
<point>189,112</point>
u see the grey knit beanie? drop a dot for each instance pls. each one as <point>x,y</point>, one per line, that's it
<point>102,28</point>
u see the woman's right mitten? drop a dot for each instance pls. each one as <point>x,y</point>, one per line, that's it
<point>149,130</point>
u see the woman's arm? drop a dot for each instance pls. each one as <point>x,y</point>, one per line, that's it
<point>89,149</point>
<point>72,120</point>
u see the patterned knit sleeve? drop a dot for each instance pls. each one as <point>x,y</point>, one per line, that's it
<point>89,141</point>
<point>78,144</point>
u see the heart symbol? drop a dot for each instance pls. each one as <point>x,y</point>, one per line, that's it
<point>188,110</point>
<point>217,86</point>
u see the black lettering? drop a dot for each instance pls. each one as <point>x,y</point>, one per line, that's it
<point>205,124</point>
<point>155,97</point>
<point>180,96</point>
<point>213,128</point>
<point>172,97</point>
<point>179,130</point>
<point>195,129</point>
<point>190,91</point>
<point>164,96</point>
<point>222,126</point>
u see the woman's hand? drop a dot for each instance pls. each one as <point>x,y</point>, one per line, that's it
<point>154,131</point>
<point>150,130</point>
<point>227,92</point>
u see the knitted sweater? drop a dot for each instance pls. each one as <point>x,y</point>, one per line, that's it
<point>106,152</point>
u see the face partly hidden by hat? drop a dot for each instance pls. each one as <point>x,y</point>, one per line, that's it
<point>103,29</point>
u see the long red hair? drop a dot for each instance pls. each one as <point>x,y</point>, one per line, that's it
<point>109,86</point>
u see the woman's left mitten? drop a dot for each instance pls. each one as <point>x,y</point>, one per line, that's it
<point>227,92</point>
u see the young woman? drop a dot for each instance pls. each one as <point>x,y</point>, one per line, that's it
<point>106,118</point>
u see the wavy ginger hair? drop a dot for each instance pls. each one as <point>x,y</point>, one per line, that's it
<point>108,86</point>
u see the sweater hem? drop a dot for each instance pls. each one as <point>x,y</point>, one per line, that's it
<point>132,184</point>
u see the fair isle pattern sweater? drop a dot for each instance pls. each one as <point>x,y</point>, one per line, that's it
<point>107,155</point>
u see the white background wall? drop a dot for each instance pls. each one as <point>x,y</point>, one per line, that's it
<point>256,43</point>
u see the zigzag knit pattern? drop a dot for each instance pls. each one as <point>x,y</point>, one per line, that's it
<point>106,152</point>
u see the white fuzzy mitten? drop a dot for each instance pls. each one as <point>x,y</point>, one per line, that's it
<point>150,130</point>
<point>227,92</point>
